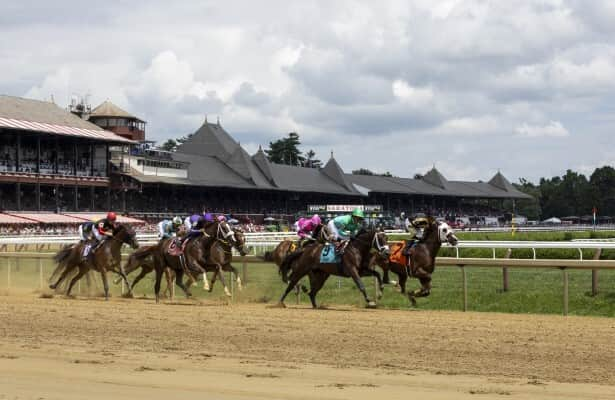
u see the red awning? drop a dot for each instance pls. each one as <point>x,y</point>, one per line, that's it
<point>62,130</point>
<point>96,216</point>
<point>11,219</point>
<point>48,218</point>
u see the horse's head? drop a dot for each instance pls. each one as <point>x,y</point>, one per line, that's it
<point>446,234</point>
<point>125,234</point>
<point>240,241</point>
<point>377,239</point>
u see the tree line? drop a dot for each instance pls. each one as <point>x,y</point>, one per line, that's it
<point>572,194</point>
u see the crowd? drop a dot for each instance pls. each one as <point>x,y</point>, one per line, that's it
<point>37,229</point>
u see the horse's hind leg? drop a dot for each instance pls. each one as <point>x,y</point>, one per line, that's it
<point>82,270</point>
<point>67,269</point>
<point>139,277</point>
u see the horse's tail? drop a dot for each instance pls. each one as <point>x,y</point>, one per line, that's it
<point>288,261</point>
<point>143,252</point>
<point>61,256</point>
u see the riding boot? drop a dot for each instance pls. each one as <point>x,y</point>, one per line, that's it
<point>409,244</point>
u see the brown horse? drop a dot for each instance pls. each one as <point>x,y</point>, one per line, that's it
<point>354,262</point>
<point>286,247</point>
<point>194,258</point>
<point>106,257</point>
<point>144,259</point>
<point>422,258</point>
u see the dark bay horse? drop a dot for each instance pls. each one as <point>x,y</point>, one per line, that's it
<point>355,262</point>
<point>422,258</point>
<point>143,258</point>
<point>106,257</point>
<point>195,254</point>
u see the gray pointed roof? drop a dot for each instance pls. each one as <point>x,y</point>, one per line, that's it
<point>263,163</point>
<point>500,182</point>
<point>333,170</point>
<point>209,140</point>
<point>242,164</point>
<point>435,178</point>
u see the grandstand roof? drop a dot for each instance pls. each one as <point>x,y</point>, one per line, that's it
<point>42,116</point>
<point>217,160</point>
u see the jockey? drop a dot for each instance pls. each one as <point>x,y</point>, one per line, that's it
<point>101,229</point>
<point>306,228</point>
<point>416,229</point>
<point>195,225</point>
<point>167,229</point>
<point>342,228</point>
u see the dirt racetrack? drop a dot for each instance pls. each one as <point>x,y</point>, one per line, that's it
<point>134,349</point>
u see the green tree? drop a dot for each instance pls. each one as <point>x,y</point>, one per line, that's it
<point>169,145</point>
<point>603,184</point>
<point>362,171</point>
<point>286,150</point>
<point>311,161</point>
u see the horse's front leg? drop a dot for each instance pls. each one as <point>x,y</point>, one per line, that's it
<point>179,276</point>
<point>423,291</point>
<point>219,272</point>
<point>103,275</point>
<point>357,280</point>
<point>122,273</point>
<point>237,277</point>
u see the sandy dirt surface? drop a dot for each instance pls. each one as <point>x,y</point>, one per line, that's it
<point>134,349</point>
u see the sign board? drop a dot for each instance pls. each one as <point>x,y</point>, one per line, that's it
<point>344,208</point>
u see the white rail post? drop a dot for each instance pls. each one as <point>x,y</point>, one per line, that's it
<point>464,285</point>
<point>565,276</point>
<point>40,273</point>
<point>8,273</point>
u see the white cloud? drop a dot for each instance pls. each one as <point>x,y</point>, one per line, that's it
<point>552,129</point>
<point>352,75</point>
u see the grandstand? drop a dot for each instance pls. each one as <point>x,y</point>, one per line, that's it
<point>61,161</point>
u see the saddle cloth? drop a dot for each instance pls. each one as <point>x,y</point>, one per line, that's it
<point>328,255</point>
<point>173,249</point>
<point>397,255</point>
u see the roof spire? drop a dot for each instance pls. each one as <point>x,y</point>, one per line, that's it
<point>205,118</point>
<point>218,120</point>
<point>331,153</point>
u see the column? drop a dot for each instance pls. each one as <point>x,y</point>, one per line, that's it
<point>18,155</point>
<point>92,196</point>
<point>18,195</point>
<point>38,194</point>
<point>76,199</point>
<point>91,160</point>
<point>75,158</point>
<point>38,157</point>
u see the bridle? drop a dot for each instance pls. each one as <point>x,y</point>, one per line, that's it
<point>376,243</point>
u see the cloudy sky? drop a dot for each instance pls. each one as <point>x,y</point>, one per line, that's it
<point>527,87</point>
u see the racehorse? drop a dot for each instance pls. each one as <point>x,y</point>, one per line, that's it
<point>195,255</point>
<point>144,259</point>
<point>354,262</point>
<point>422,258</point>
<point>106,257</point>
<point>286,247</point>
<point>219,259</point>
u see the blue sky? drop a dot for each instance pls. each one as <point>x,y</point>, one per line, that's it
<point>527,87</point>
